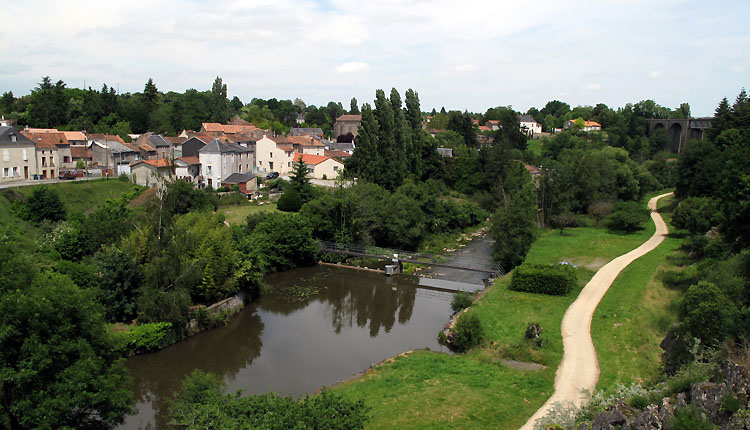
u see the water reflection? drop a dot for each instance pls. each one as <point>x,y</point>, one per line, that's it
<point>318,326</point>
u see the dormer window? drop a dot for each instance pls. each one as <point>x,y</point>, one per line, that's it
<point>12,137</point>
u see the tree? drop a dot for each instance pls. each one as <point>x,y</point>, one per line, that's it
<point>628,217</point>
<point>219,102</point>
<point>44,204</point>
<point>698,170</point>
<point>119,279</point>
<point>697,215</point>
<point>61,368</point>
<point>281,242</point>
<point>707,313</point>
<point>299,181</point>
<point>353,109</point>
<point>514,228</point>
<point>462,124</point>
<point>563,220</point>
<point>290,201</point>
<point>722,119</point>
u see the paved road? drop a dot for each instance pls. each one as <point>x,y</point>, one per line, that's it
<point>579,369</point>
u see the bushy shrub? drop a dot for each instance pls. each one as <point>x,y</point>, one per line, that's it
<point>467,333</point>
<point>461,301</point>
<point>697,215</point>
<point>554,279</point>
<point>236,198</point>
<point>689,419</point>
<point>290,201</point>
<point>628,217</point>
<point>149,337</point>
<point>707,313</point>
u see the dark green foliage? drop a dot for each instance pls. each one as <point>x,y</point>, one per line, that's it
<point>696,215</point>
<point>555,279</point>
<point>119,279</point>
<point>467,333</point>
<point>707,313</point>
<point>202,404</point>
<point>149,337</point>
<point>729,404</point>
<point>290,201</point>
<point>280,242</point>
<point>44,204</point>
<point>514,229</point>
<point>60,367</point>
<point>628,217</point>
<point>182,197</point>
<point>698,170</point>
<point>300,183</point>
<point>461,301</point>
<point>688,418</point>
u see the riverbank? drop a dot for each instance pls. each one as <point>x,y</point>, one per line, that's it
<point>476,389</point>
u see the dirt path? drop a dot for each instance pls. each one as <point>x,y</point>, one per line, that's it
<point>579,369</point>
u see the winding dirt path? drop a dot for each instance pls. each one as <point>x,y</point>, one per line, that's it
<point>579,369</point>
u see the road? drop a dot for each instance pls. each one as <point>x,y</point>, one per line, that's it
<point>579,369</point>
<point>29,182</point>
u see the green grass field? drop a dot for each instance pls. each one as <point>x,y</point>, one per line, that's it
<point>84,196</point>
<point>236,214</point>
<point>535,146</point>
<point>475,390</point>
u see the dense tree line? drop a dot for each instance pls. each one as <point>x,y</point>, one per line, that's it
<point>713,212</point>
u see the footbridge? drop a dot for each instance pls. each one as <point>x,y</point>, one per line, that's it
<point>400,256</point>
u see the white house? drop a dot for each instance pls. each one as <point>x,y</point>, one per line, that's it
<point>529,126</point>
<point>17,156</point>
<point>221,159</point>
<point>587,125</point>
<point>274,154</point>
<point>152,173</point>
<point>187,168</point>
<point>320,166</point>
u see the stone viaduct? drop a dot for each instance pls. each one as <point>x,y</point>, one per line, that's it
<point>680,130</point>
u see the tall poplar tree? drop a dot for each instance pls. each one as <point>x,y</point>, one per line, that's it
<point>389,176</point>
<point>219,102</point>
<point>401,137</point>
<point>414,120</point>
<point>353,109</point>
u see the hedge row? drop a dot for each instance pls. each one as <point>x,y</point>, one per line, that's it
<point>554,279</point>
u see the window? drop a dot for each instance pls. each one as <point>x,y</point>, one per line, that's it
<point>270,165</point>
<point>271,155</point>
<point>66,159</point>
<point>209,172</point>
<point>15,171</point>
<point>6,155</point>
<point>6,172</point>
<point>25,155</point>
<point>12,137</point>
<point>260,162</point>
<point>288,164</point>
<point>44,160</point>
<point>335,168</point>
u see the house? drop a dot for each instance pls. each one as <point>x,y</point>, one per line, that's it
<point>529,126</point>
<point>311,131</point>
<point>75,138</point>
<point>493,124</point>
<point>300,119</point>
<point>187,169</point>
<point>18,159</point>
<point>53,153</point>
<point>152,173</point>
<point>446,152</point>
<point>341,146</point>
<point>110,152</point>
<point>339,155</point>
<point>587,125</point>
<point>307,145</point>
<point>220,159</point>
<point>274,154</point>
<point>246,181</point>
<point>78,152</point>
<point>176,145</point>
<point>321,166</point>
<point>192,145</point>
<point>346,124</point>
<point>6,122</point>
<point>161,148</point>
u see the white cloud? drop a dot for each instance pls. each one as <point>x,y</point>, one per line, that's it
<point>593,87</point>
<point>738,69</point>
<point>655,74</point>
<point>352,66</point>
<point>466,68</point>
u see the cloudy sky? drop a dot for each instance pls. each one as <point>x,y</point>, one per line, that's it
<point>461,54</point>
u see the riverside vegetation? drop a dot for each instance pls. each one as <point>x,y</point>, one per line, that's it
<point>157,257</point>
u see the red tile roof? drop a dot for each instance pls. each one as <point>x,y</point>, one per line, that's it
<point>47,139</point>
<point>80,152</point>
<point>159,162</point>
<point>74,135</point>
<point>190,160</point>
<point>314,160</point>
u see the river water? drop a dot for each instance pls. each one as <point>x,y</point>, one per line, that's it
<point>318,326</point>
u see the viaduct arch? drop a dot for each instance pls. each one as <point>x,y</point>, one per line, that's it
<point>680,130</point>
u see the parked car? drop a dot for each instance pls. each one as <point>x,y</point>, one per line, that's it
<point>68,174</point>
<point>272,175</point>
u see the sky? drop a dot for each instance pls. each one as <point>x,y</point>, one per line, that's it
<point>460,54</point>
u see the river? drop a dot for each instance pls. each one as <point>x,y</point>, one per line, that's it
<point>319,325</point>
